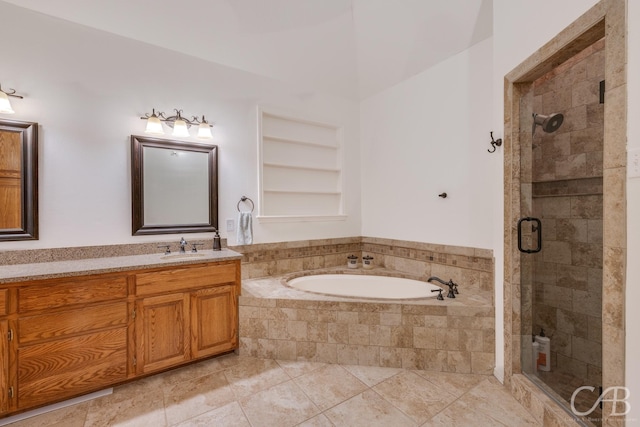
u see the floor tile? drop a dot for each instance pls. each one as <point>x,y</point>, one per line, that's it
<point>297,368</point>
<point>317,421</point>
<point>122,409</point>
<point>487,404</point>
<point>281,405</point>
<point>491,398</point>
<point>456,384</point>
<point>190,398</point>
<point>71,416</point>
<point>253,375</point>
<point>195,370</point>
<point>248,392</point>
<point>414,395</point>
<point>230,415</point>
<point>367,409</point>
<point>330,385</point>
<point>372,375</point>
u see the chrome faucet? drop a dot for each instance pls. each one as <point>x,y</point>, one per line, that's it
<point>183,243</point>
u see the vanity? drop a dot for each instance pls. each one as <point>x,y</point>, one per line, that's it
<point>75,327</point>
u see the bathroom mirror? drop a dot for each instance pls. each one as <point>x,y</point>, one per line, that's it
<point>18,180</point>
<point>174,186</point>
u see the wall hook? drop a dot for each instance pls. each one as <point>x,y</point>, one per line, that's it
<point>494,144</point>
<point>443,195</point>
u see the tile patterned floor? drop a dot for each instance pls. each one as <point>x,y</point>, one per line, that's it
<point>242,391</point>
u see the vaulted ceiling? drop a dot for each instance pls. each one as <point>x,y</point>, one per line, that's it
<point>350,48</point>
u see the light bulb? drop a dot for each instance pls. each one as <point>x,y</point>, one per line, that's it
<point>154,126</point>
<point>180,128</point>
<point>204,131</point>
<point>5,105</point>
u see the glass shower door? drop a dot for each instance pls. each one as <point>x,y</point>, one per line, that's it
<point>560,233</point>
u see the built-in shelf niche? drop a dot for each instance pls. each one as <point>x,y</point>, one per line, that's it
<point>301,173</point>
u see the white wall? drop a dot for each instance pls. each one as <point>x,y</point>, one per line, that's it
<point>632,371</point>
<point>87,90</point>
<point>428,135</point>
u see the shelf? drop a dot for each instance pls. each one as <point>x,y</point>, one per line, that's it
<point>298,142</point>
<point>300,170</point>
<point>318,193</point>
<point>307,168</point>
<point>300,218</point>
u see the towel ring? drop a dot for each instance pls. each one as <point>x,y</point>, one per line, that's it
<point>244,199</point>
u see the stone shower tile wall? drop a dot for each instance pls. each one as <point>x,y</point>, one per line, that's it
<point>567,169</point>
<point>575,150</point>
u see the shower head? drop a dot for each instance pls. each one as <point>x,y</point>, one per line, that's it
<point>549,123</point>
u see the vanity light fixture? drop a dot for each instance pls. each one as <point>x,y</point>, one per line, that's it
<point>179,124</point>
<point>5,105</point>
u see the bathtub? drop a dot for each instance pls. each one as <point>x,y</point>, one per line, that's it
<point>364,286</point>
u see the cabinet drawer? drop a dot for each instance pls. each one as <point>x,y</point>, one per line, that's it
<point>178,279</point>
<point>72,291</point>
<point>63,368</point>
<point>4,299</point>
<point>67,323</point>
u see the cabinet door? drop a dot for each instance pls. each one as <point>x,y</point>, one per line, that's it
<point>162,332</point>
<point>4,367</point>
<point>63,368</point>
<point>214,320</point>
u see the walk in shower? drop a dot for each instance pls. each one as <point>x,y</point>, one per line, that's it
<point>560,231</point>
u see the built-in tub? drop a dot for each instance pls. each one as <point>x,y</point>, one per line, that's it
<point>364,286</point>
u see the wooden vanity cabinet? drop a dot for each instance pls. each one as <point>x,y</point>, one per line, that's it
<point>4,368</point>
<point>185,313</point>
<point>75,335</point>
<point>4,352</point>
<point>70,338</point>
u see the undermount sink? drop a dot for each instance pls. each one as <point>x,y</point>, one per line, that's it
<point>187,255</point>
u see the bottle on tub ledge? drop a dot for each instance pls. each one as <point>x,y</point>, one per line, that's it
<point>352,261</point>
<point>367,262</point>
<point>543,361</point>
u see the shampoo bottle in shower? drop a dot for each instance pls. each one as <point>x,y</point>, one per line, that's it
<point>544,352</point>
<point>535,349</point>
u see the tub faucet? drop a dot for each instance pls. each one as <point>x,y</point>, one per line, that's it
<point>183,244</point>
<point>453,287</point>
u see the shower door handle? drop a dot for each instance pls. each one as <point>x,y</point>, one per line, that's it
<point>535,227</point>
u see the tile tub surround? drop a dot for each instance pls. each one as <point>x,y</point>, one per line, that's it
<point>455,335</point>
<point>471,268</point>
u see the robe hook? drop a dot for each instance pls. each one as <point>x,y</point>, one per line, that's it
<point>494,144</point>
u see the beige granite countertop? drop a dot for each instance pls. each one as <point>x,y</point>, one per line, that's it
<point>78,267</point>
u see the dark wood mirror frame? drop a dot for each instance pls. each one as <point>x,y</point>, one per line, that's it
<point>138,143</point>
<point>28,177</point>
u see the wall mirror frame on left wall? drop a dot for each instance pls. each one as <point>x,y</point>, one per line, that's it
<point>174,186</point>
<point>18,180</point>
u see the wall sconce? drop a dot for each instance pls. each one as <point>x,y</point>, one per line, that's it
<point>5,105</point>
<point>179,124</point>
